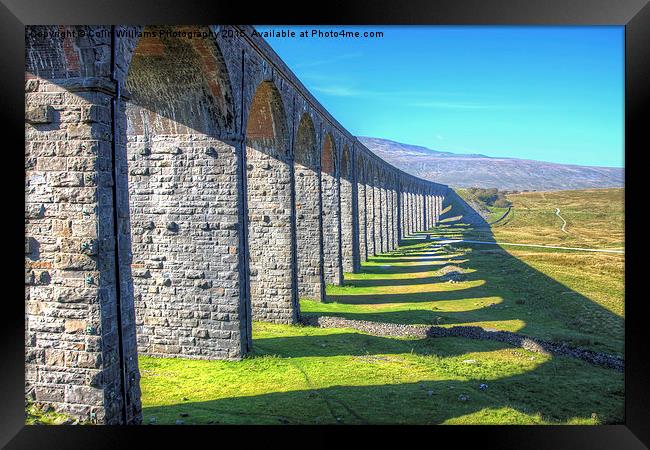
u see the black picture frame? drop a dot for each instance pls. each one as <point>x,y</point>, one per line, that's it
<point>633,14</point>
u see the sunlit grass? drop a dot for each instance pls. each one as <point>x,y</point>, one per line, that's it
<point>35,415</point>
<point>308,375</point>
<point>311,375</point>
<point>595,218</point>
<point>548,294</point>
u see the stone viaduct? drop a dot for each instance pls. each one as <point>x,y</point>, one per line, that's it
<point>177,188</point>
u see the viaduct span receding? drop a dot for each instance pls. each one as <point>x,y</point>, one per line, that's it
<point>176,189</point>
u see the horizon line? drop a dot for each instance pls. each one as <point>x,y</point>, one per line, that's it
<point>488,156</point>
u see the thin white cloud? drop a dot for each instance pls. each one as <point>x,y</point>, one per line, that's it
<point>339,90</point>
<point>461,105</point>
<point>416,98</point>
<point>322,62</point>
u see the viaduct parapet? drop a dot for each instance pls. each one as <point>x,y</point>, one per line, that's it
<point>176,189</point>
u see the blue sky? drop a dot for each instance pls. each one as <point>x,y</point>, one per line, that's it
<point>546,93</point>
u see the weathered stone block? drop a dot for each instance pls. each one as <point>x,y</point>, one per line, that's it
<point>74,262</point>
<point>84,395</point>
<point>194,274</point>
<point>141,273</point>
<point>65,179</point>
<point>45,393</point>
<point>75,326</point>
<point>38,114</point>
<point>67,295</point>
<point>31,85</point>
<point>203,284</point>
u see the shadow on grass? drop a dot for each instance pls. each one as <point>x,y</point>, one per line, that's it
<point>430,317</point>
<point>557,389</point>
<point>403,403</point>
<point>375,282</point>
<point>546,307</point>
<point>420,268</point>
<point>550,391</point>
<point>416,260</point>
<point>457,293</point>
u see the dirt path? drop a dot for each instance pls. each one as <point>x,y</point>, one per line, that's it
<point>557,213</point>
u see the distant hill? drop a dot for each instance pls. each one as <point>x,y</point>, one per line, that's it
<point>476,170</point>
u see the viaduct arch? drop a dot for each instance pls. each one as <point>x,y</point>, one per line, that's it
<point>176,189</point>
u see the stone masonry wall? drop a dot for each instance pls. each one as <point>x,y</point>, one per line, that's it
<point>409,214</point>
<point>385,219</point>
<point>72,342</point>
<point>423,211</point>
<point>419,214</point>
<point>331,213</point>
<point>184,295</point>
<point>414,213</point>
<point>308,208</point>
<point>383,215</point>
<point>402,211</point>
<point>434,210</point>
<point>376,217</point>
<point>269,237</point>
<point>391,219</point>
<point>347,226</point>
<point>363,225</point>
<point>73,351</point>
<point>388,220</point>
<point>370,217</point>
<point>396,218</point>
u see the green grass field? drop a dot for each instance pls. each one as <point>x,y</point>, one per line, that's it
<point>306,375</point>
<point>595,218</point>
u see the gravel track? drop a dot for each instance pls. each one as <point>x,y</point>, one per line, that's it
<point>470,332</point>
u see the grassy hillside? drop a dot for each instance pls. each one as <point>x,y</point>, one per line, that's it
<point>490,212</point>
<point>594,218</point>
<point>306,375</point>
